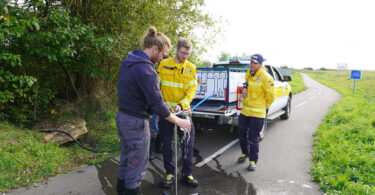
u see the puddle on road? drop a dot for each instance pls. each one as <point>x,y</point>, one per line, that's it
<point>211,181</point>
<point>107,173</point>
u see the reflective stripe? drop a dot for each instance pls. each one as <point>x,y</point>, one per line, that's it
<point>191,83</point>
<point>171,104</point>
<point>254,83</point>
<point>254,109</point>
<point>171,84</point>
<point>185,101</point>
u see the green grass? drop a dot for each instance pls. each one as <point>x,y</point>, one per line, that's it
<point>344,144</point>
<point>26,159</point>
<point>297,83</point>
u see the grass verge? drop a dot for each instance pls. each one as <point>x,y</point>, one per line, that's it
<point>344,144</point>
<point>297,83</point>
<point>25,158</point>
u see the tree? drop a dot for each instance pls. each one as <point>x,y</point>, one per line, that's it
<point>286,67</point>
<point>245,56</point>
<point>73,49</point>
<point>43,49</point>
<point>126,21</point>
<point>205,64</point>
<point>224,56</point>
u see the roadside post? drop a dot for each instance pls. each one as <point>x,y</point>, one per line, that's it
<point>355,74</point>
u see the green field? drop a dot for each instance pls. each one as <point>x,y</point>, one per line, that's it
<point>344,144</point>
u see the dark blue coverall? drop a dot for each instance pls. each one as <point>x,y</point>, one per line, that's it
<point>138,95</point>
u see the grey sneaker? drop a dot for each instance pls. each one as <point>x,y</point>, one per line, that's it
<point>190,181</point>
<point>169,181</point>
<point>251,166</point>
<point>242,158</point>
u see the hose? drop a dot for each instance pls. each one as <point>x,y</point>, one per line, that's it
<point>199,103</point>
<point>154,122</point>
<point>79,144</point>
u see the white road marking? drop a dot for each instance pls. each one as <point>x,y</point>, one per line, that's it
<point>108,183</point>
<point>298,105</point>
<point>295,183</point>
<point>216,153</point>
<point>306,186</point>
<point>115,161</point>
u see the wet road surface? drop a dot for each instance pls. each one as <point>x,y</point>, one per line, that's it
<point>211,180</point>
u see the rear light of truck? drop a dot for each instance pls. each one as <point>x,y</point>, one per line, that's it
<point>226,96</point>
<point>234,62</point>
<point>239,98</point>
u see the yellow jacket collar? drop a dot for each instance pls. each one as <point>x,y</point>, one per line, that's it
<point>179,66</point>
<point>259,72</point>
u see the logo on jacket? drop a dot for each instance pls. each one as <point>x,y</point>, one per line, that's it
<point>188,71</point>
<point>259,79</point>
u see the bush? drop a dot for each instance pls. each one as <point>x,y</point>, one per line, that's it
<point>43,54</point>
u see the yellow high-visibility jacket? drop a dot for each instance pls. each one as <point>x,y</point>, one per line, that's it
<point>260,94</point>
<point>177,82</point>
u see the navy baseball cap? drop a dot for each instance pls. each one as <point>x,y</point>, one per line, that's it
<point>257,58</point>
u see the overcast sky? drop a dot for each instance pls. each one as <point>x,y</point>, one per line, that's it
<point>298,33</point>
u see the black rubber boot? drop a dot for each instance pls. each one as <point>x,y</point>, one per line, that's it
<point>120,188</point>
<point>136,191</point>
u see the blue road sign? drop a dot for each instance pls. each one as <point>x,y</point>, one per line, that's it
<point>355,74</point>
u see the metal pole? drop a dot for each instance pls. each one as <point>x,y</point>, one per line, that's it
<point>175,157</point>
<point>354,86</point>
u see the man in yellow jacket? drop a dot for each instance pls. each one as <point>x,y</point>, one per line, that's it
<point>259,96</point>
<point>178,86</point>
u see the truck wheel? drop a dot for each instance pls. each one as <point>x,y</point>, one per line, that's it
<point>287,111</point>
<point>262,133</point>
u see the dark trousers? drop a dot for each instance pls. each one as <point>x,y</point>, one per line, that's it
<point>134,134</point>
<point>166,135</point>
<point>248,134</point>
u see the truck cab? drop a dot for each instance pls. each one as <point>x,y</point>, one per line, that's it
<point>224,80</point>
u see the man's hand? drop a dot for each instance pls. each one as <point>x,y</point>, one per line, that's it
<point>178,108</point>
<point>184,124</point>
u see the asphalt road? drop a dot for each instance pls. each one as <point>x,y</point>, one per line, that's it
<point>283,165</point>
